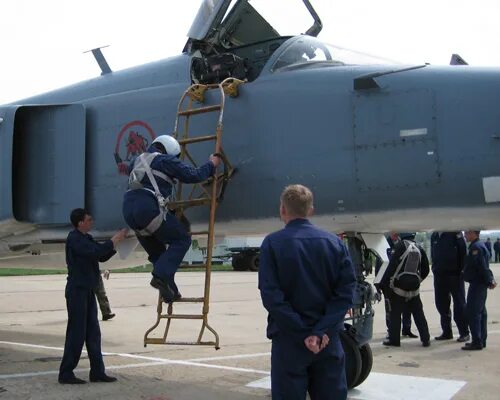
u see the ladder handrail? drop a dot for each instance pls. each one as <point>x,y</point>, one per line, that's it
<point>211,194</point>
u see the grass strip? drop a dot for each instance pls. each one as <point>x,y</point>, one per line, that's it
<point>139,268</point>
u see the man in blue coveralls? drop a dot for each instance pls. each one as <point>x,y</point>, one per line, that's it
<point>448,254</point>
<point>306,281</point>
<point>477,272</point>
<point>151,181</point>
<point>83,255</point>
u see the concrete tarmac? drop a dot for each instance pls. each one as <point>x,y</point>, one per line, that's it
<point>33,323</point>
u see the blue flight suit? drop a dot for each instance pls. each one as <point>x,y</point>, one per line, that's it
<point>406,316</point>
<point>398,303</point>
<point>477,272</point>
<point>488,246</point>
<point>140,207</point>
<point>306,281</point>
<point>448,251</point>
<point>496,247</point>
<point>83,255</point>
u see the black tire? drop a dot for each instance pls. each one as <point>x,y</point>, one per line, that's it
<point>253,262</point>
<point>353,360</point>
<point>366,363</point>
<point>238,263</point>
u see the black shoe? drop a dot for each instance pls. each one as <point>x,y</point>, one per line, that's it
<point>108,316</point>
<point>71,381</point>
<point>472,346</point>
<point>444,337</point>
<point>166,291</point>
<point>463,338</point>
<point>177,296</point>
<point>102,378</point>
<point>426,343</point>
<point>389,343</point>
<point>410,335</point>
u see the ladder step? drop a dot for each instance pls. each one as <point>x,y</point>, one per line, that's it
<point>190,300</point>
<point>181,316</point>
<point>195,202</point>
<point>197,139</point>
<point>161,341</point>
<point>200,110</point>
<point>199,233</point>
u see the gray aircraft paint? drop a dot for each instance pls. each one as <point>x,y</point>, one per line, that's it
<point>407,154</point>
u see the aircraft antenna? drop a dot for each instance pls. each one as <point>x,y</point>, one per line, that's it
<point>101,60</point>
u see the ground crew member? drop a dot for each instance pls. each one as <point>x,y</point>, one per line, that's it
<point>448,253</point>
<point>477,272</point>
<point>83,255</point>
<point>488,246</point>
<point>409,298</point>
<point>496,247</point>
<point>102,298</point>
<point>306,281</point>
<point>393,239</point>
<point>151,181</point>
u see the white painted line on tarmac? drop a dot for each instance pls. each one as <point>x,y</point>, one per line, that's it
<point>33,345</point>
<point>402,387</point>
<point>156,359</point>
<point>42,373</point>
<point>235,357</point>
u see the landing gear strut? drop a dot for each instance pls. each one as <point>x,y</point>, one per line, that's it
<point>359,324</point>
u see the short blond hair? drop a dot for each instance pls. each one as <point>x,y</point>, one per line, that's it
<point>297,200</point>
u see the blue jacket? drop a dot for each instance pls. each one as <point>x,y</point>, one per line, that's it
<point>83,255</point>
<point>395,259</point>
<point>306,281</point>
<point>488,246</point>
<point>477,269</point>
<point>496,246</point>
<point>175,169</point>
<point>448,253</point>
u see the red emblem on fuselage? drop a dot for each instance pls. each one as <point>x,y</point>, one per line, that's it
<point>133,139</point>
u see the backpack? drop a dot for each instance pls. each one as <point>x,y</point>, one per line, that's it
<point>142,167</point>
<point>406,280</point>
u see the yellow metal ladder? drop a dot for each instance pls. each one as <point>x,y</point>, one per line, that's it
<point>208,193</point>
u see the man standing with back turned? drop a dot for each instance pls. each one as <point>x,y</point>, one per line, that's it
<point>448,254</point>
<point>306,280</point>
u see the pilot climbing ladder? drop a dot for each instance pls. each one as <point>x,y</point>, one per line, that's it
<point>208,193</point>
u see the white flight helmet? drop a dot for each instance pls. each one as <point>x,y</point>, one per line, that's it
<point>171,145</point>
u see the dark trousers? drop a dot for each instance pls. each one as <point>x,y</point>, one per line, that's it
<point>446,287</point>
<point>406,318</point>
<point>296,371</point>
<point>476,313</point>
<point>414,305</point>
<point>83,327</point>
<point>139,209</point>
<point>497,256</point>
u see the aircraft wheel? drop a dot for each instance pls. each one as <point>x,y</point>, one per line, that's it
<point>253,262</point>
<point>353,360</point>
<point>366,363</point>
<point>238,262</point>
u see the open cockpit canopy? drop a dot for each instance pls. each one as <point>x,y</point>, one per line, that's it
<point>237,38</point>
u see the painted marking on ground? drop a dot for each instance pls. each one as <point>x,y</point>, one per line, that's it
<point>157,360</point>
<point>235,357</point>
<point>402,387</point>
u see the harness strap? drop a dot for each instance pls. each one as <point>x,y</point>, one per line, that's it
<point>162,201</point>
<point>405,293</point>
<point>153,226</point>
<point>400,265</point>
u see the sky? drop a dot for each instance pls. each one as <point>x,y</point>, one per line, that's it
<point>42,43</point>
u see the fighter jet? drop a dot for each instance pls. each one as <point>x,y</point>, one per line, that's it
<point>383,146</point>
